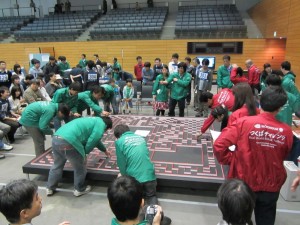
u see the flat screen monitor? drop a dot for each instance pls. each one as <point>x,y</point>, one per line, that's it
<point>212,61</point>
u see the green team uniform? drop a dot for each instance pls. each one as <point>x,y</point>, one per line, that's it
<point>160,90</point>
<point>86,100</point>
<point>292,105</point>
<point>288,84</point>
<point>179,89</point>
<point>223,77</point>
<point>62,95</point>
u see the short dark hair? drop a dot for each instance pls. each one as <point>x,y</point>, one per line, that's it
<point>120,129</point>
<point>147,64</point>
<point>51,58</point>
<point>205,96</point>
<point>63,58</point>
<point>138,57</point>
<point>286,65</point>
<point>188,59</point>
<point>29,77</point>
<point>64,109</point>
<point>115,59</point>
<point>2,62</point>
<point>108,122</point>
<point>13,91</point>
<point>129,81</point>
<point>197,60</point>
<point>37,61</point>
<point>97,89</point>
<point>84,55</point>
<point>205,62</point>
<point>90,64</point>
<point>125,195</point>
<point>182,65</point>
<point>96,55</point>
<point>35,81</point>
<point>219,111</point>
<point>236,201</point>
<point>52,74</point>
<point>15,197</point>
<point>14,77</point>
<point>240,71</point>
<point>157,59</point>
<point>75,86</point>
<point>266,65</point>
<point>3,89</point>
<point>273,80</point>
<point>226,57</point>
<point>175,55</point>
<point>111,80</point>
<point>273,98</point>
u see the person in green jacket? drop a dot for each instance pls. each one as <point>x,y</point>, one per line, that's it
<point>36,118</point>
<point>125,207</point>
<point>160,92</point>
<point>83,61</point>
<point>133,160</point>
<point>108,96</point>
<point>116,64</point>
<point>68,96</point>
<point>73,142</point>
<point>179,89</point>
<point>288,81</point>
<point>223,73</point>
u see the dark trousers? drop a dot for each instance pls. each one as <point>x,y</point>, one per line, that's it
<point>295,152</point>
<point>149,192</point>
<point>172,105</point>
<point>255,89</point>
<point>189,96</point>
<point>13,128</point>
<point>265,207</point>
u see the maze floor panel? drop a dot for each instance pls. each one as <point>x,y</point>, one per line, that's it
<point>180,160</point>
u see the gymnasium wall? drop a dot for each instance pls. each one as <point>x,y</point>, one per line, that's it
<point>259,50</point>
<point>283,17</point>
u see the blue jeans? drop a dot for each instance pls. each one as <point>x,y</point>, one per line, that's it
<point>63,151</point>
<point>57,122</point>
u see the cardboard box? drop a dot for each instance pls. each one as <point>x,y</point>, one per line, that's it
<point>286,193</point>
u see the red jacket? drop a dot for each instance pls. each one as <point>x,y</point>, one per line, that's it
<point>138,71</point>
<point>235,79</point>
<point>253,75</point>
<point>262,143</point>
<point>226,97</point>
<point>239,114</point>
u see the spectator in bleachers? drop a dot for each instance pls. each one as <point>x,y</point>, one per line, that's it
<point>16,101</point>
<point>236,201</point>
<point>179,83</point>
<point>237,75</point>
<point>116,64</point>
<point>128,93</point>
<point>114,3</point>
<point>160,93</point>
<point>117,97</point>
<point>104,7</point>
<point>35,70</point>
<point>63,66</point>
<point>258,156</point>
<point>97,60</point>
<point>190,69</point>
<point>5,75</point>
<point>173,65</point>
<point>147,73</point>
<point>137,7</point>
<point>67,6</point>
<point>223,74</point>
<point>18,71</point>
<point>203,84</point>
<point>6,115</point>
<point>150,3</point>
<point>33,93</point>
<point>25,83</point>
<point>53,85</point>
<point>76,75</point>
<point>158,67</point>
<point>90,77</point>
<point>253,76</point>
<point>288,81</point>
<point>50,67</point>
<point>83,61</point>
<point>138,68</point>
<point>15,82</point>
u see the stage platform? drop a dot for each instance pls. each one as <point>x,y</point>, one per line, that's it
<point>180,160</point>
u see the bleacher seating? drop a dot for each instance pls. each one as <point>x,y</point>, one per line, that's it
<point>146,23</point>
<point>210,21</point>
<point>61,27</point>
<point>12,23</point>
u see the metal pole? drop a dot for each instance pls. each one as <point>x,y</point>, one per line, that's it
<point>17,7</point>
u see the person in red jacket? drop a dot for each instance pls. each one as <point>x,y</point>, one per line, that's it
<point>224,97</point>
<point>262,143</point>
<point>237,75</point>
<point>138,68</point>
<point>244,104</point>
<point>253,76</point>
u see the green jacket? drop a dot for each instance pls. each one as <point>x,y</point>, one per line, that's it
<point>292,105</point>
<point>114,221</point>
<point>39,114</point>
<point>223,77</point>
<point>161,91</point>
<point>82,63</point>
<point>117,65</point>
<point>288,84</point>
<point>84,134</point>
<point>63,67</point>
<point>109,93</point>
<point>179,89</point>
<point>62,95</point>
<point>85,100</point>
<point>133,157</point>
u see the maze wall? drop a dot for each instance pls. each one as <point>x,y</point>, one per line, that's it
<point>178,157</point>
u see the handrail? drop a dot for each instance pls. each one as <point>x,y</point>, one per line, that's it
<point>206,2</point>
<point>142,5</point>
<point>16,11</point>
<point>78,8</point>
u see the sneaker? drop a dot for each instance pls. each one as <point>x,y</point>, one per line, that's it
<point>49,192</point>
<point>7,147</point>
<point>79,193</point>
<point>2,156</point>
